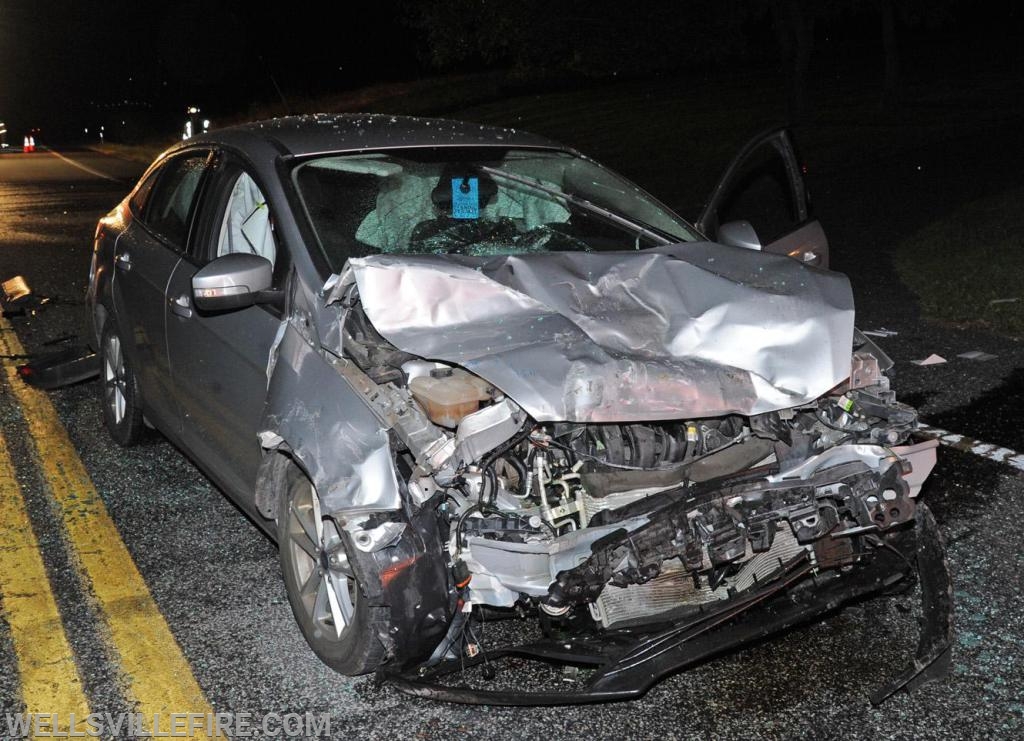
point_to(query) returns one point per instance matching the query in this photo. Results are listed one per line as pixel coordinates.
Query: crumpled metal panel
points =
(328, 427)
(682, 331)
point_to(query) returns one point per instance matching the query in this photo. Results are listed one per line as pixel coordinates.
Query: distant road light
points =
(193, 125)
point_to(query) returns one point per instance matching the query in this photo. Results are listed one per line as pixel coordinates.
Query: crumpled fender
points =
(314, 415)
(317, 418)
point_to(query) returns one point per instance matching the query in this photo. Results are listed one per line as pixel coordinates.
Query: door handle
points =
(182, 306)
(123, 262)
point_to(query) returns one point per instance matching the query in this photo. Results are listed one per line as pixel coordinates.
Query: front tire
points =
(323, 590)
(119, 390)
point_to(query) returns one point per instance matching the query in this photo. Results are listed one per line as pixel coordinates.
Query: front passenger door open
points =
(764, 187)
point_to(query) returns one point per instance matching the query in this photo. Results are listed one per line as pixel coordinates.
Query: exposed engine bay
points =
(599, 528)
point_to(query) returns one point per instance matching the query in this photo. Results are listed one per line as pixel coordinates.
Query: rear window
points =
(168, 209)
(141, 194)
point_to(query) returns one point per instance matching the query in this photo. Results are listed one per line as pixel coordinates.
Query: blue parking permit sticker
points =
(465, 198)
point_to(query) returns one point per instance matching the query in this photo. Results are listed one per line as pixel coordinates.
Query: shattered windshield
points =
(476, 201)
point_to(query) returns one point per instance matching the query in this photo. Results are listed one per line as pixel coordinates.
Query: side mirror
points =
(232, 281)
(739, 234)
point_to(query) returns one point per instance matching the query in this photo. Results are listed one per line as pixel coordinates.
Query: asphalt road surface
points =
(128, 583)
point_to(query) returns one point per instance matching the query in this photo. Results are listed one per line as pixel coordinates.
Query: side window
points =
(763, 195)
(247, 226)
(169, 207)
(342, 207)
(141, 195)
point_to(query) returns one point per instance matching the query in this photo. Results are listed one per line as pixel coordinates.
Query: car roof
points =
(339, 132)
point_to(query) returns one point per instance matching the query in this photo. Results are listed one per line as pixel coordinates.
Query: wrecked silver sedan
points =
(458, 371)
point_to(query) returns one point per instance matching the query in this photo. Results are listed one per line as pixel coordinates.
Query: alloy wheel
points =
(322, 569)
(115, 378)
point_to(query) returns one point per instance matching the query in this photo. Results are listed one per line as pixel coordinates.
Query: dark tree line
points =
(537, 38)
(795, 22)
(590, 37)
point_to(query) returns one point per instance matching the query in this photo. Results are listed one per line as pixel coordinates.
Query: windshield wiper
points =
(583, 203)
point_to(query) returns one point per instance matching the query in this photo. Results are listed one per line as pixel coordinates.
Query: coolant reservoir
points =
(449, 394)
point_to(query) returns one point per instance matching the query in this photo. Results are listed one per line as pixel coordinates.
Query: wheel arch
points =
(408, 577)
(272, 479)
(100, 315)
(315, 422)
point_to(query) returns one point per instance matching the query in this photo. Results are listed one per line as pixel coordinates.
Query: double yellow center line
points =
(158, 679)
(49, 677)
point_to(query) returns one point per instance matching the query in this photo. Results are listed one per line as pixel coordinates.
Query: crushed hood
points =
(678, 332)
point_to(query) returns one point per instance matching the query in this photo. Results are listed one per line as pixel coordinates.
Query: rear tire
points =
(325, 595)
(119, 389)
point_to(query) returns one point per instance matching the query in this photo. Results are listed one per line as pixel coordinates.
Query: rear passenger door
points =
(144, 259)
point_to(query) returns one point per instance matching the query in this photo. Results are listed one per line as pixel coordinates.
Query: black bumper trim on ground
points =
(62, 368)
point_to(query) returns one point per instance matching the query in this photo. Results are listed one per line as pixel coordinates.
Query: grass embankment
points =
(969, 266)
(141, 153)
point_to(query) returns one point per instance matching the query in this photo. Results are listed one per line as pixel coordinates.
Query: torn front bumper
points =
(625, 663)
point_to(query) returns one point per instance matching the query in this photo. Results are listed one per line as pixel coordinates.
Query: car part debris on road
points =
(61, 368)
(17, 299)
(978, 355)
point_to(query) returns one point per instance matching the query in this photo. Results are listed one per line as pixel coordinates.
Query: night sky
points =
(66, 65)
(64, 62)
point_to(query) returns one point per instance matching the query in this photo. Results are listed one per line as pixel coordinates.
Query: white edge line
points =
(979, 448)
(80, 166)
